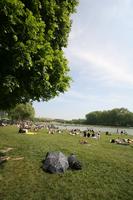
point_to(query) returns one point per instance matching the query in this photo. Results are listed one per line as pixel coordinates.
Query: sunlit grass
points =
(107, 168)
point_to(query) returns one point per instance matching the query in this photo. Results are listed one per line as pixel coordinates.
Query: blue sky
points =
(100, 54)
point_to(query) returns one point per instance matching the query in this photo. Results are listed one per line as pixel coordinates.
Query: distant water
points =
(129, 131)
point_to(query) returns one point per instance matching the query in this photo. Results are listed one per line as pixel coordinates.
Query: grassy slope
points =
(107, 168)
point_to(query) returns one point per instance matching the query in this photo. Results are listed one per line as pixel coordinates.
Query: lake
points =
(129, 131)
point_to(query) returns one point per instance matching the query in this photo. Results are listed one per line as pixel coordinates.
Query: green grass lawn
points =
(107, 172)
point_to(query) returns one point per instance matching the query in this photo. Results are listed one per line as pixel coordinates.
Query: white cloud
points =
(101, 41)
(118, 72)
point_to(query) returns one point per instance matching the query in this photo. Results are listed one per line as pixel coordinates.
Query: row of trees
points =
(114, 117)
(76, 121)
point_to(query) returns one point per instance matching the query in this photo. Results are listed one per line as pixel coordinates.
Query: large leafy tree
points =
(22, 112)
(33, 34)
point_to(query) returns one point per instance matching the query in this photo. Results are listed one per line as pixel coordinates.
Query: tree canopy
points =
(114, 117)
(22, 112)
(33, 34)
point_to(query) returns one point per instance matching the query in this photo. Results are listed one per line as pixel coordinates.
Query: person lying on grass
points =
(121, 141)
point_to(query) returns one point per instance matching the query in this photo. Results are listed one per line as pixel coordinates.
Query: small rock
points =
(74, 163)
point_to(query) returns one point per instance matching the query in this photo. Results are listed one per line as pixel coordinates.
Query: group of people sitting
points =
(91, 133)
(25, 128)
(53, 131)
(75, 131)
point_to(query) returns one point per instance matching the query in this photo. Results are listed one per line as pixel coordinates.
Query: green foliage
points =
(33, 34)
(115, 117)
(76, 121)
(22, 112)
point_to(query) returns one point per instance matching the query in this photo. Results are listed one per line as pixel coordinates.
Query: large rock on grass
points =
(55, 162)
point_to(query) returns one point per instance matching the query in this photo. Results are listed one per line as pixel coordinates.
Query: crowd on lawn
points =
(26, 127)
(52, 129)
(86, 133)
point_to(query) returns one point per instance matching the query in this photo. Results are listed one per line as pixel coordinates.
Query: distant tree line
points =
(114, 117)
(75, 121)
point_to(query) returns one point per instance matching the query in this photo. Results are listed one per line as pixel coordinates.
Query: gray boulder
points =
(74, 163)
(55, 162)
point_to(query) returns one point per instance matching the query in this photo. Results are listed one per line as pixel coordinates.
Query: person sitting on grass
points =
(22, 130)
(85, 134)
(88, 134)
